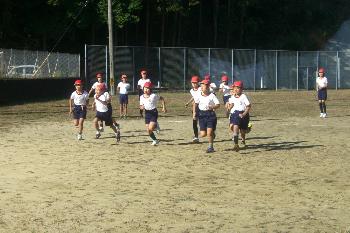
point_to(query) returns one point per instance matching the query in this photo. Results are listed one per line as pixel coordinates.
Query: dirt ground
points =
(293, 177)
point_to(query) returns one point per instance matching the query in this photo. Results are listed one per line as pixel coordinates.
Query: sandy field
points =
(293, 177)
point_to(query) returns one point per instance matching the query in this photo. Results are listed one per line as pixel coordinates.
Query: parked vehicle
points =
(22, 71)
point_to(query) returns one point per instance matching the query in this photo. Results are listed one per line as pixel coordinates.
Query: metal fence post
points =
(297, 70)
(185, 60)
(106, 70)
(337, 72)
(85, 63)
(276, 73)
(209, 60)
(254, 70)
(133, 69)
(159, 67)
(232, 64)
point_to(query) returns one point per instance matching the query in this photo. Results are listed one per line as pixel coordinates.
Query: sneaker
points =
(117, 126)
(157, 129)
(321, 114)
(324, 115)
(117, 136)
(155, 143)
(195, 140)
(80, 136)
(236, 147)
(98, 135)
(101, 129)
(210, 150)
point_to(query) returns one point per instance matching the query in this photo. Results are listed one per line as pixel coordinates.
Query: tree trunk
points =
(199, 34)
(147, 22)
(163, 29)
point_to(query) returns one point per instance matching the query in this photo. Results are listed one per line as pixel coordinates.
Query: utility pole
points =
(110, 47)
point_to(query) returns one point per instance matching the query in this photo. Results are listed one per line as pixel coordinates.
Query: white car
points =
(22, 71)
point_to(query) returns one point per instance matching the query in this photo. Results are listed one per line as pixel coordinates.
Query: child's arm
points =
(163, 104)
(102, 101)
(93, 106)
(246, 111)
(194, 107)
(91, 90)
(70, 105)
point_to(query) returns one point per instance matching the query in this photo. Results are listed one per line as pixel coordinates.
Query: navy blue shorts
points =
(197, 112)
(79, 112)
(241, 122)
(225, 98)
(322, 94)
(123, 99)
(105, 116)
(151, 115)
(207, 119)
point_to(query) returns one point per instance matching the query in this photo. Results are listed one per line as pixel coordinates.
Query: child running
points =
(225, 89)
(123, 88)
(148, 102)
(194, 92)
(239, 118)
(78, 101)
(99, 77)
(206, 102)
(144, 79)
(101, 101)
(321, 88)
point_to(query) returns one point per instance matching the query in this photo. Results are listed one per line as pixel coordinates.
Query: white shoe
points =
(321, 114)
(195, 140)
(155, 143)
(80, 136)
(98, 135)
(101, 129)
(324, 115)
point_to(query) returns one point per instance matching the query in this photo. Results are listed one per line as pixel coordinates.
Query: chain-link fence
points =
(38, 64)
(172, 68)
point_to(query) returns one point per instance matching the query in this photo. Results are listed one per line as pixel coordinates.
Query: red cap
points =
(143, 71)
(77, 83)
(99, 75)
(207, 77)
(321, 70)
(148, 85)
(195, 79)
(224, 78)
(124, 76)
(205, 81)
(238, 84)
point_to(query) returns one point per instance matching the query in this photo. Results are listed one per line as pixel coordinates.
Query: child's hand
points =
(164, 110)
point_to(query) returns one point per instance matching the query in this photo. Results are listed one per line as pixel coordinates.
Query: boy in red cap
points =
(148, 102)
(101, 101)
(206, 102)
(212, 86)
(78, 101)
(321, 88)
(225, 89)
(123, 89)
(144, 79)
(99, 77)
(239, 106)
(194, 92)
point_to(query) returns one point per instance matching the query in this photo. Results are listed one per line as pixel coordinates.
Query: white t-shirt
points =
(142, 82)
(80, 99)
(194, 93)
(204, 102)
(96, 83)
(225, 89)
(100, 107)
(212, 87)
(321, 82)
(149, 103)
(239, 103)
(123, 87)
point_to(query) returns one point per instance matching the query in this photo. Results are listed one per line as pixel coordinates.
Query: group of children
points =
(205, 102)
(204, 105)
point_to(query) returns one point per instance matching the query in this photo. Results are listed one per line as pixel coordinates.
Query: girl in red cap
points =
(239, 118)
(144, 79)
(321, 88)
(206, 102)
(225, 89)
(101, 101)
(148, 102)
(123, 89)
(78, 101)
(194, 92)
